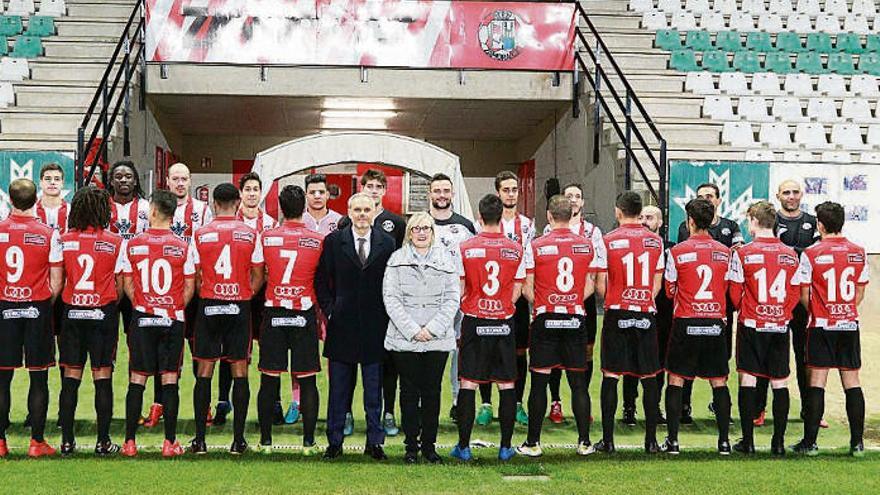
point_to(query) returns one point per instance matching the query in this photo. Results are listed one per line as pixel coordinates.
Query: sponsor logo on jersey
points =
(547, 250)
(704, 331)
(856, 258)
(754, 259)
(492, 330)
(772, 329)
(139, 250)
(273, 241)
(387, 225)
(489, 305)
(309, 243)
(172, 251)
(154, 321)
(787, 260)
(651, 242)
(35, 239)
(769, 310)
(619, 244)
(839, 309)
(295, 321)
(686, 258)
(562, 298)
(70, 246)
(475, 253)
(825, 259)
(636, 294)
(158, 300)
(569, 324)
(85, 299)
(226, 290)
(105, 247)
(720, 257)
(209, 237)
(287, 291)
(706, 307)
(17, 293)
(243, 236)
(29, 313)
(640, 323)
(843, 326)
(86, 314)
(225, 309)
(581, 249)
(509, 254)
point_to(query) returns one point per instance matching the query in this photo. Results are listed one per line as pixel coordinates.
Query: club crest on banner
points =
(498, 33)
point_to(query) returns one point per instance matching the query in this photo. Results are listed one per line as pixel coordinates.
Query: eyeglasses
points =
(421, 228)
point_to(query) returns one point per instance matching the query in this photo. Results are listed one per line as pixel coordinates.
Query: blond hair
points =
(420, 218)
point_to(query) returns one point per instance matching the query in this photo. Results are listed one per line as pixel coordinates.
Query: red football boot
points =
(171, 449)
(40, 449)
(154, 417)
(129, 449)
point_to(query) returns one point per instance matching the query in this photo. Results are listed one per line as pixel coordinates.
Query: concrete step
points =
(100, 9)
(79, 50)
(53, 71)
(91, 28)
(42, 123)
(53, 96)
(37, 142)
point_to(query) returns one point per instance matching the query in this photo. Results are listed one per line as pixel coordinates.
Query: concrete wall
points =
(145, 135)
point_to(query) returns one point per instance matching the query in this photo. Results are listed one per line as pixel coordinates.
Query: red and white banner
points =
(390, 33)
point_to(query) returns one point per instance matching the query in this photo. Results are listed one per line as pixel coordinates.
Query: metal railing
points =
(111, 97)
(611, 95)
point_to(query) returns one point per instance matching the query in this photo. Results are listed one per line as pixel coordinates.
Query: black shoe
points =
(411, 457)
(106, 448)
(661, 419)
(651, 447)
(376, 452)
(238, 447)
(222, 410)
(198, 447)
(629, 416)
(803, 448)
(744, 447)
(686, 417)
(724, 447)
(432, 457)
(278, 417)
(604, 446)
(857, 450)
(453, 414)
(670, 447)
(777, 448)
(67, 448)
(332, 452)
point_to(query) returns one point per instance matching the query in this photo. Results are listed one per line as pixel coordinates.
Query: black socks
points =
(522, 365)
(673, 411)
(67, 407)
(308, 394)
(580, 403)
(721, 399)
(266, 398)
(104, 407)
(5, 400)
(170, 407)
(507, 415)
(134, 401)
(815, 411)
(781, 404)
(486, 393)
(555, 382)
(38, 403)
(855, 414)
(537, 405)
(747, 405)
(201, 405)
(466, 406)
(608, 401)
(241, 396)
(651, 404)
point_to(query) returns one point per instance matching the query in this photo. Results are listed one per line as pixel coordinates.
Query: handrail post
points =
(575, 88)
(597, 118)
(79, 165)
(627, 178)
(662, 190)
(126, 94)
(104, 123)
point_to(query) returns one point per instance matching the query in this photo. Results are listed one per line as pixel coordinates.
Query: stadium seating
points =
(27, 47)
(40, 26)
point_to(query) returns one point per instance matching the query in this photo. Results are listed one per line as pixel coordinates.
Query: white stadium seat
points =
(669, 5)
(738, 134)
(697, 6)
(864, 7)
(776, 135)
(14, 69)
(23, 8)
(856, 24)
(724, 6)
(770, 23)
(836, 7)
(713, 22)
(848, 136)
(810, 7)
(832, 85)
(800, 156)
(798, 84)
(827, 23)
(7, 95)
(718, 108)
(780, 7)
(733, 83)
(52, 8)
(654, 20)
(753, 6)
(641, 5)
(874, 135)
(766, 83)
(754, 109)
(811, 136)
(864, 85)
(857, 110)
(799, 23)
(836, 157)
(759, 156)
(742, 22)
(789, 109)
(871, 157)
(822, 110)
(700, 83)
(684, 21)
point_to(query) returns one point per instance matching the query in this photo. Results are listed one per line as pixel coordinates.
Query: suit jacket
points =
(350, 295)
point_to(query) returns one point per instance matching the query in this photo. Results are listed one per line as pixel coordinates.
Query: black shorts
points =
(521, 318)
(189, 316)
(697, 348)
(257, 304)
(664, 328)
(591, 319)
(223, 331)
(88, 333)
(558, 341)
(26, 329)
(487, 350)
(763, 353)
(833, 349)
(155, 344)
(629, 343)
(289, 337)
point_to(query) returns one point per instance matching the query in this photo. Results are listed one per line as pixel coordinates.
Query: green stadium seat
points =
(747, 62)
(668, 39)
(10, 25)
(27, 47)
(715, 61)
(759, 42)
(869, 63)
(4, 45)
(699, 41)
(788, 41)
(729, 41)
(778, 62)
(39, 25)
(841, 63)
(683, 60)
(848, 43)
(810, 63)
(819, 42)
(873, 43)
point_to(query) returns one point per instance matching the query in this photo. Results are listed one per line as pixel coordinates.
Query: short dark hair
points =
(89, 208)
(559, 207)
(225, 194)
(373, 174)
(764, 213)
(49, 167)
(439, 177)
(573, 184)
(503, 176)
(315, 179)
(165, 202)
(710, 185)
(491, 208)
(831, 215)
(629, 203)
(701, 211)
(249, 176)
(22, 194)
(292, 200)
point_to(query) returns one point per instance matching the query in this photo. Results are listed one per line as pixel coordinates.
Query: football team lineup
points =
(421, 302)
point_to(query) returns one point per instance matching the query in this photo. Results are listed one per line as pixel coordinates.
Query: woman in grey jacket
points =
(421, 292)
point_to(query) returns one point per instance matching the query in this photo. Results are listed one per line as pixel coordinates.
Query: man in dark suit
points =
(349, 289)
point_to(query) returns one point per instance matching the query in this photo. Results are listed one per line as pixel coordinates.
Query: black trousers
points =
(421, 378)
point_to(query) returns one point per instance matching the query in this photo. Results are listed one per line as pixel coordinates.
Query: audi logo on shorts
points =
(86, 299)
(226, 290)
(769, 310)
(708, 307)
(636, 294)
(839, 309)
(489, 305)
(287, 291)
(17, 293)
(158, 300)
(561, 298)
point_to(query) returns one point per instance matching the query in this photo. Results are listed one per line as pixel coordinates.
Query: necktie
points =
(362, 253)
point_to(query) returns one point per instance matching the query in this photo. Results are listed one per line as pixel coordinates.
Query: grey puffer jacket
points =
(420, 292)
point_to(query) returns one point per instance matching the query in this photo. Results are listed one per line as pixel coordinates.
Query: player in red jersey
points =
(30, 258)
(833, 275)
(90, 318)
(561, 268)
(629, 283)
(492, 271)
(51, 209)
(697, 281)
(159, 279)
(764, 288)
(229, 268)
(289, 337)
